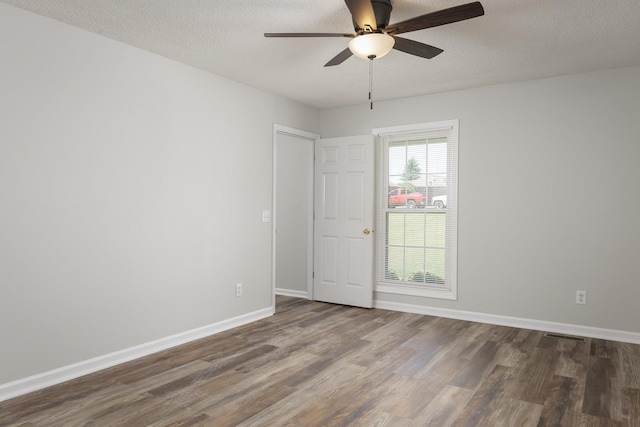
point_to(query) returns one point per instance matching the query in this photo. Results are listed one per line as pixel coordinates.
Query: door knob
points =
(367, 231)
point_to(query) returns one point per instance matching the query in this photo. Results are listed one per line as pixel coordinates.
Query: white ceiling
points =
(514, 40)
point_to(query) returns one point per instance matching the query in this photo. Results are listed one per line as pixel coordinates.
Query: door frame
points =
(308, 138)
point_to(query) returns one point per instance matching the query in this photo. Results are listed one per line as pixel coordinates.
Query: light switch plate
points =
(266, 216)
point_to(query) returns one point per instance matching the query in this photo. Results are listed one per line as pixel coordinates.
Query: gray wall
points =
(119, 180)
(548, 194)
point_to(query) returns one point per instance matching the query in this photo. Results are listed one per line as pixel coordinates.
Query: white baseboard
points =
(516, 322)
(292, 293)
(69, 372)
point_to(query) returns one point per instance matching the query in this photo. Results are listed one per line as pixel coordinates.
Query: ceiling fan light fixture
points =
(369, 45)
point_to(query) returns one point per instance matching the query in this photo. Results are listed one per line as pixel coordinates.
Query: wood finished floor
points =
(316, 364)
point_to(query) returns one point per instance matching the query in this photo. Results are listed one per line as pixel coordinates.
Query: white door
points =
(343, 230)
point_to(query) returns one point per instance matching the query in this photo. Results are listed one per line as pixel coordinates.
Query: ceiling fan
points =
(374, 37)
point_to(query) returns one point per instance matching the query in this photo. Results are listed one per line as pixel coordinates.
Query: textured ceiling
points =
(514, 40)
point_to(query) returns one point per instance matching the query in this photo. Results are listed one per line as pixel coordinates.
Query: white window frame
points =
(450, 290)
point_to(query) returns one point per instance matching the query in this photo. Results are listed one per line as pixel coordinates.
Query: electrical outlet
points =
(239, 289)
(581, 297)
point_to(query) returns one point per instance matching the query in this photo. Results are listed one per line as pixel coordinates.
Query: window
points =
(417, 210)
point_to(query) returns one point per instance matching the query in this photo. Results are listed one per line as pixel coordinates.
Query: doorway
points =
(292, 212)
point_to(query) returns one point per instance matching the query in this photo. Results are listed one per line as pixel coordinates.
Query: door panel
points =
(329, 196)
(355, 196)
(344, 209)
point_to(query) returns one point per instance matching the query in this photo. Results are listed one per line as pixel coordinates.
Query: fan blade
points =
(362, 13)
(308, 35)
(441, 17)
(339, 58)
(416, 48)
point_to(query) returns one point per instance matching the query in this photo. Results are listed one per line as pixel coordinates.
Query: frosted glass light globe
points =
(371, 44)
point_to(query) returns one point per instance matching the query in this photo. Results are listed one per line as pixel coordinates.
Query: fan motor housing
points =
(382, 9)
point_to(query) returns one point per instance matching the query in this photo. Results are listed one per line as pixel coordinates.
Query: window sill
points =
(418, 291)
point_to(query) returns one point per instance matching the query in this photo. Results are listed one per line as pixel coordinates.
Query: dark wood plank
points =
(631, 365)
(563, 406)
(444, 408)
(603, 393)
(604, 348)
(573, 359)
(487, 399)
(631, 407)
(537, 373)
(471, 374)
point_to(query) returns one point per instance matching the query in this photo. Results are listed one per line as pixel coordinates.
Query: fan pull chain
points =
(371, 58)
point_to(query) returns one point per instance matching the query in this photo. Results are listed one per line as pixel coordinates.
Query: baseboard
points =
(292, 293)
(85, 367)
(516, 322)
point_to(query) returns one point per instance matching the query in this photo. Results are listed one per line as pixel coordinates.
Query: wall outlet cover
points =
(581, 297)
